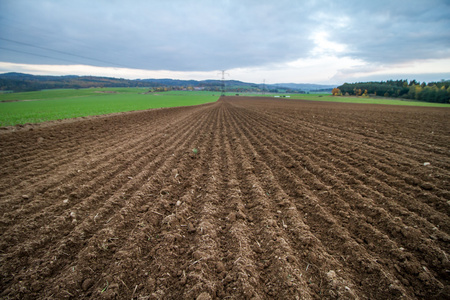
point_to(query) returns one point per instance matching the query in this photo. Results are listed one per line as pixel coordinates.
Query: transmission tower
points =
(222, 86)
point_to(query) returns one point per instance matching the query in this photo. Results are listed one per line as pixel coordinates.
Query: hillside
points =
(19, 82)
(306, 86)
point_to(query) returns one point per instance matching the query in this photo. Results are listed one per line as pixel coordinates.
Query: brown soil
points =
(284, 199)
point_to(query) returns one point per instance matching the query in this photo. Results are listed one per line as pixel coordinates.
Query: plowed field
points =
(281, 199)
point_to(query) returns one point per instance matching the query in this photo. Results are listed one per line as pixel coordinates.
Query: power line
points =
(42, 33)
(58, 51)
(19, 51)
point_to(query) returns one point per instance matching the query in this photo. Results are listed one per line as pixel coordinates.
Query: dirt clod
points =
(87, 283)
(204, 296)
(426, 186)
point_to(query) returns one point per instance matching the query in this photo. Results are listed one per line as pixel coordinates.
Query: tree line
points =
(18, 82)
(438, 92)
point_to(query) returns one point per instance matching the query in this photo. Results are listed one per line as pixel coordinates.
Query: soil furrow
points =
(245, 198)
(376, 133)
(74, 152)
(335, 163)
(386, 153)
(78, 190)
(149, 228)
(362, 150)
(89, 162)
(428, 253)
(318, 215)
(87, 219)
(331, 179)
(246, 259)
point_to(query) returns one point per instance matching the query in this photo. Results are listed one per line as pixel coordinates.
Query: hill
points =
(306, 86)
(19, 82)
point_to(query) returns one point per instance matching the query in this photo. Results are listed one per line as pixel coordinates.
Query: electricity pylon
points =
(222, 87)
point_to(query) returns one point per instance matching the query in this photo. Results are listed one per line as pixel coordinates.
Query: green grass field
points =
(353, 99)
(41, 106)
(366, 100)
(47, 105)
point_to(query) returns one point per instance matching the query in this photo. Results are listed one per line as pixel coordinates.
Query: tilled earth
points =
(245, 198)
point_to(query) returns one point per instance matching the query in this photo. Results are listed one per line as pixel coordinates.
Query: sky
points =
(276, 41)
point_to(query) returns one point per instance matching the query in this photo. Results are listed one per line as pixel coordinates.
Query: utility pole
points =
(264, 86)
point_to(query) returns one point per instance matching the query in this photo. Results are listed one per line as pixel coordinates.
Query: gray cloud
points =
(395, 31)
(210, 35)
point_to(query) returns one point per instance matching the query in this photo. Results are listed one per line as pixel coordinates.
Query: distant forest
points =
(19, 82)
(438, 92)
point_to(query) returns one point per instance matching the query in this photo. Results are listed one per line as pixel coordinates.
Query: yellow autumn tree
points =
(336, 92)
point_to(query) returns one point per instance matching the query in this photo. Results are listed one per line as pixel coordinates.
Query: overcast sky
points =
(316, 41)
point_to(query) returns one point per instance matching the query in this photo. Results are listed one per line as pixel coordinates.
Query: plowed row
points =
(284, 199)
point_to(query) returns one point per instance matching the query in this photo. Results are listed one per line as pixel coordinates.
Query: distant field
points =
(41, 106)
(47, 105)
(350, 99)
